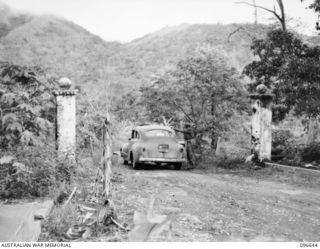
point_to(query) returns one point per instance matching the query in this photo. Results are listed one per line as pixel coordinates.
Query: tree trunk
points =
(191, 143)
(190, 154)
(214, 141)
(218, 149)
(255, 12)
(106, 161)
(214, 136)
(283, 16)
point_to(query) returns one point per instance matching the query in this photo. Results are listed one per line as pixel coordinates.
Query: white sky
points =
(124, 20)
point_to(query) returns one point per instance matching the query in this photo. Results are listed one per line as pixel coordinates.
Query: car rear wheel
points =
(135, 165)
(177, 166)
(125, 162)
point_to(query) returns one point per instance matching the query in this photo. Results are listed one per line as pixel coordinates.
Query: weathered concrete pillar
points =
(261, 127)
(66, 120)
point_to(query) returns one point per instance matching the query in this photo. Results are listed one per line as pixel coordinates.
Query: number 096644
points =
(308, 244)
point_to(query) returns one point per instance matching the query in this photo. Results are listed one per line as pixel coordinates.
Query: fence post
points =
(106, 158)
(66, 119)
(261, 129)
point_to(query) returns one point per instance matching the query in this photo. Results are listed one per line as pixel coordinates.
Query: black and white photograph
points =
(159, 121)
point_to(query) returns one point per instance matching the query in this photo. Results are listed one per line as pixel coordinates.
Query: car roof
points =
(152, 127)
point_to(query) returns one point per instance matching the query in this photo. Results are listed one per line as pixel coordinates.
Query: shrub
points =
(281, 144)
(311, 153)
(14, 176)
(33, 172)
(27, 112)
(280, 137)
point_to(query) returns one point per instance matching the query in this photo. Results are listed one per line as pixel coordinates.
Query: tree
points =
(290, 68)
(128, 107)
(315, 5)
(27, 107)
(202, 91)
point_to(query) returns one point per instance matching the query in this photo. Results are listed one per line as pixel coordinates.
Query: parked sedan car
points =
(153, 144)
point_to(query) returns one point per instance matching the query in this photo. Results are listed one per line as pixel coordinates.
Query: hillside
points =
(156, 52)
(63, 48)
(67, 49)
(111, 68)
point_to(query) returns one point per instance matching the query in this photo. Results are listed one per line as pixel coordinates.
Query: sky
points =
(125, 20)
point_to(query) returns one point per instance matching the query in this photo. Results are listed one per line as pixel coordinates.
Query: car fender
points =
(136, 151)
(125, 150)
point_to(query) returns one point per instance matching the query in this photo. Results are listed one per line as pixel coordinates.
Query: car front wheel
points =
(177, 166)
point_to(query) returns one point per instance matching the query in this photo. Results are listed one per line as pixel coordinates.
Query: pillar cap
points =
(65, 83)
(65, 92)
(262, 96)
(262, 89)
(262, 92)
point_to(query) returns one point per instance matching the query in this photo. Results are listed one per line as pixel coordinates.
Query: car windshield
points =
(158, 133)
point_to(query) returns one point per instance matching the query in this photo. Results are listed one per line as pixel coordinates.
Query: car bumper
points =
(162, 160)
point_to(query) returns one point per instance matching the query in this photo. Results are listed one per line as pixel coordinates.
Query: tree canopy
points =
(290, 69)
(27, 108)
(202, 91)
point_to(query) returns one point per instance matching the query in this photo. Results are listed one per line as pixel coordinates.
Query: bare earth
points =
(219, 207)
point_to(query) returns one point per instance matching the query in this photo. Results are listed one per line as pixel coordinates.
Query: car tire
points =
(125, 162)
(177, 166)
(135, 165)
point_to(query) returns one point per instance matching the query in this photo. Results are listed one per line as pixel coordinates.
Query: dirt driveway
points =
(219, 207)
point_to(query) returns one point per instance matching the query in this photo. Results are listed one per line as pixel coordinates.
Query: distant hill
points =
(156, 52)
(67, 49)
(112, 68)
(62, 47)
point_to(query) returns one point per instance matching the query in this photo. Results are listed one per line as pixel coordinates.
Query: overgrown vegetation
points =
(28, 163)
(199, 97)
(290, 68)
(27, 106)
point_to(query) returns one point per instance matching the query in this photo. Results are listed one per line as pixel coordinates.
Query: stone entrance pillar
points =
(261, 126)
(66, 120)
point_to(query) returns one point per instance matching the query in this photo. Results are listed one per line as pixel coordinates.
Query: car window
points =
(159, 133)
(135, 135)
